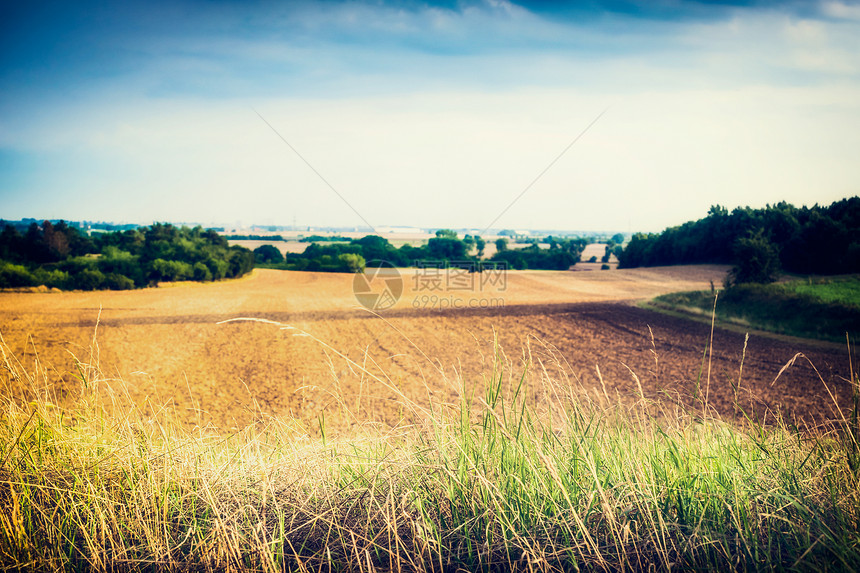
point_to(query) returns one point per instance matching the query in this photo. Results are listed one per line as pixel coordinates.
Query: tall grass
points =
(496, 481)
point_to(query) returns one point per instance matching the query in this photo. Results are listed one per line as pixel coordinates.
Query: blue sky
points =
(425, 114)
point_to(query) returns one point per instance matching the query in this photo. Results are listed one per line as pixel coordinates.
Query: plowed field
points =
(166, 348)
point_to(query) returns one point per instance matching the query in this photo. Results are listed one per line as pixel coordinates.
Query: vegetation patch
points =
(446, 249)
(62, 256)
(825, 309)
(491, 483)
(822, 240)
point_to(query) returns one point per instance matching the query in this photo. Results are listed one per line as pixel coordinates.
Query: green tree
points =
(376, 248)
(11, 244)
(201, 272)
(15, 276)
(480, 244)
(501, 244)
(114, 281)
(88, 279)
(756, 261)
(446, 248)
(168, 270)
(352, 263)
(268, 254)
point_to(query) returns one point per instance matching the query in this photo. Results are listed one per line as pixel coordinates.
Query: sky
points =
(594, 115)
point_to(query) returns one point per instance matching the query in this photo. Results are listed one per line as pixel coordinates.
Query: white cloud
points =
(759, 108)
(842, 10)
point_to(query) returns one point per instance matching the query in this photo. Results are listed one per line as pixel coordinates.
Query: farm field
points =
(169, 348)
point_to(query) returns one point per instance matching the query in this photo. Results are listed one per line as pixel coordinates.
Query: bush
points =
(52, 278)
(88, 279)
(171, 270)
(114, 281)
(13, 276)
(757, 261)
(201, 272)
(268, 255)
(217, 267)
(351, 263)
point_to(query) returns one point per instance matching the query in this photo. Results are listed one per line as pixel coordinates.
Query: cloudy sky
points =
(431, 114)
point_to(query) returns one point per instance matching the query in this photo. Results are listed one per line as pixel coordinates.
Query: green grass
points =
(823, 309)
(841, 290)
(523, 476)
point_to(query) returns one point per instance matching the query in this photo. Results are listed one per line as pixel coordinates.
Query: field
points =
(540, 423)
(169, 348)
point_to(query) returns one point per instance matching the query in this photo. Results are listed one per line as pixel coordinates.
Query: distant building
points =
(398, 230)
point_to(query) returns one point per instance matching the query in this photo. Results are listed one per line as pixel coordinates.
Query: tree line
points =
(759, 242)
(445, 249)
(63, 256)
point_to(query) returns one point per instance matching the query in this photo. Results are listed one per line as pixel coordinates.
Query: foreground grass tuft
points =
(487, 484)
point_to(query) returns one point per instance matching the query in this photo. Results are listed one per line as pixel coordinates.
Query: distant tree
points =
(817, 239)
(469, 241)
(446, 234)
(114, 281)
(618, 238)
(34, 248)
(240, 261)
(351, 262)
(11, 243)
(446, 248)
(757, 261)
(376, 248)
(61, 255)
(218, 268)
(89, 279)
(169, 270)
(56, 240)
(202, 273)
(268, 254)
(501, 244)
(480, 244)
(15, 276)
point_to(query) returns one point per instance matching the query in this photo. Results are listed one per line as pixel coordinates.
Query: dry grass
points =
(529, 471)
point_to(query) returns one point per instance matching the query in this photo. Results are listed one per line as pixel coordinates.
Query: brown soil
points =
(165, 346)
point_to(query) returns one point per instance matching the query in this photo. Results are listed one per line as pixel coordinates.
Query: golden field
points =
(170, 348)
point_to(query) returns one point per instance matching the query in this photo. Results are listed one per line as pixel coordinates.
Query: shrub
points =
(756, 261)
(52, 278)
(201, 272)
(171, 270)
(88, 279)
(351, 262)
(268, 254)
(114, 281)
(12, 276)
